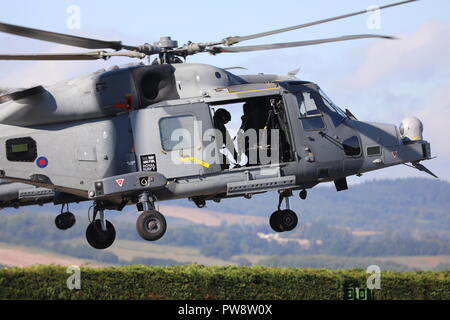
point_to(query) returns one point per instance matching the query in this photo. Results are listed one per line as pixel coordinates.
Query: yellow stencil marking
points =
(195, 160)
(254, 90)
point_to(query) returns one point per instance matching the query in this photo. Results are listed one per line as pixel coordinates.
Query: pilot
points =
(222, 117)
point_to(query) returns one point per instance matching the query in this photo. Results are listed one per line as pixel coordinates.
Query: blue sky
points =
(379, 80)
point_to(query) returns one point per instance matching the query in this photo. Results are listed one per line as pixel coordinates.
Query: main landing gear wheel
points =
(151, 225)
(65, 220)
(100, 237)
(283, 220)
(288, 220)
(275, 221)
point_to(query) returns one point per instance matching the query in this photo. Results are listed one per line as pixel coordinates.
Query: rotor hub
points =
(166, 43)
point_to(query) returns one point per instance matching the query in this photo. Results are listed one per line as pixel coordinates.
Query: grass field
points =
(126, 250)
(21, 256)
(220, 283)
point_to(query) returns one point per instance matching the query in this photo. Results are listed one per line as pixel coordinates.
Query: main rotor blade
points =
(94, 55)
(62, 38)
(271, 46)
(233, 40)
(48, 57)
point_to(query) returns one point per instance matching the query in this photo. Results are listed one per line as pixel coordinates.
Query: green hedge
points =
(200, 282)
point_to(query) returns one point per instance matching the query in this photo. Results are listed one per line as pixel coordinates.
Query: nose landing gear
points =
(283, 220)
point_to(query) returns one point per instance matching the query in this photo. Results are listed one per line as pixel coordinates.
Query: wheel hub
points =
(153, 225)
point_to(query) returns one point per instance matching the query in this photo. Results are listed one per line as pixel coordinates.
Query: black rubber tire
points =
(288, 220)
(151, 225)
(65, 220)
(275, 221)
(98, 238)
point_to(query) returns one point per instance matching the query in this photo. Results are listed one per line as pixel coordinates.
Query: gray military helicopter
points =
(141, 133)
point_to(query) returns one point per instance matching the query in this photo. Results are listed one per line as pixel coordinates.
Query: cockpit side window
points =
(307, 105)
(310, 115)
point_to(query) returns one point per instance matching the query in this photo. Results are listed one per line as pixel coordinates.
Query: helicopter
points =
(142, 133)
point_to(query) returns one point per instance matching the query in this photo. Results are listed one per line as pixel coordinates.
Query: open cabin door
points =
(174, 140)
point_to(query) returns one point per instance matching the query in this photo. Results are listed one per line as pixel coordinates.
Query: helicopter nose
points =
(411, 133)
(386, 145)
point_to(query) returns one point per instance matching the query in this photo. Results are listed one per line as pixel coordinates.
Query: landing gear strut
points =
(100, 233)
(65, 220)
(283, 220)
(151, 224)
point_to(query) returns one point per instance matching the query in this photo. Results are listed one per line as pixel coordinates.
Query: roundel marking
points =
(42, 162)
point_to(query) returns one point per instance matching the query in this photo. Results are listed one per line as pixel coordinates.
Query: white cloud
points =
(435, 115)
(408, 77)
(436, 118)
(415, 56)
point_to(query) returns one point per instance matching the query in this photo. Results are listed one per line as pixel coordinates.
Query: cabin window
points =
(21, 149)
(177, 133)
(373, 151)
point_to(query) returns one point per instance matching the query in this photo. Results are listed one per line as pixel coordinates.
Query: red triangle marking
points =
(120, 182)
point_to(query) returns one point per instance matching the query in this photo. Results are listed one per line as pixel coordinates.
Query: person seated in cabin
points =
(220, 118)
(256, 116)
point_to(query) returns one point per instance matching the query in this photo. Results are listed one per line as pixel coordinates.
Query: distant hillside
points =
(410, 217)
(223, 242)
(410, 205)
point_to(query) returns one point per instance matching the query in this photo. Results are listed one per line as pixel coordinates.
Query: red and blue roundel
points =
(42, 162)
